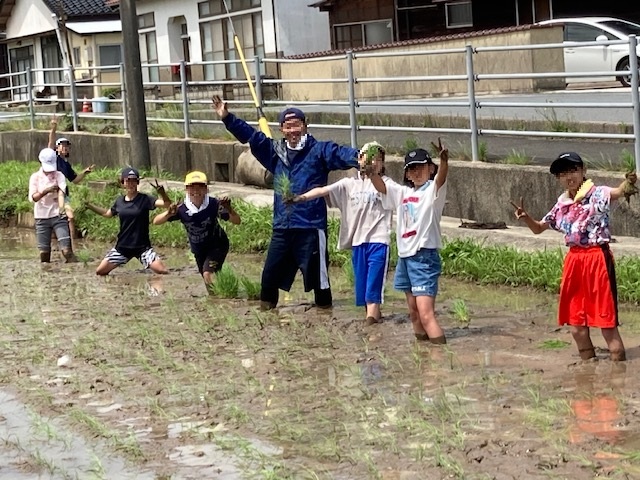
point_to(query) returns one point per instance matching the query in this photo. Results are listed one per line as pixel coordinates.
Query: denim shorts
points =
(419, 273)
(44, 228)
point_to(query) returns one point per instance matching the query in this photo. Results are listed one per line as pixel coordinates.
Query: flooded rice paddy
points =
(146, 377)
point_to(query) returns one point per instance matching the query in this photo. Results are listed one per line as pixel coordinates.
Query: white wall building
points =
(196, 31)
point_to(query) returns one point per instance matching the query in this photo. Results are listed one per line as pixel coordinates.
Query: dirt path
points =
(176, 384)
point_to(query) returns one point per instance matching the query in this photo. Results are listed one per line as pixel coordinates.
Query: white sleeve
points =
(440, 197)
(392, 199)
(61, 181)
(336, 193)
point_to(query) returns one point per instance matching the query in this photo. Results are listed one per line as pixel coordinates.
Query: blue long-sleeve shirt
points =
(306, 169)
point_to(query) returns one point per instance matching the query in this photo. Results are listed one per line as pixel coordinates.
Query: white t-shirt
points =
(419, 212)
(364, 220)
(47, 206)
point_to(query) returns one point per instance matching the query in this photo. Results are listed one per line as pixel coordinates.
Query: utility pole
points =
(134, 89)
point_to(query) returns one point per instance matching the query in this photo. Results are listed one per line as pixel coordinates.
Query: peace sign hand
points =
(158, 188)
(520, 211)
(443, 152)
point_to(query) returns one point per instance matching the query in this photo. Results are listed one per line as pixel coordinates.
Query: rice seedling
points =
(627, 161)
(460, 311)
(553, 344)
(250, 287)
(226, 284)
(282, 187)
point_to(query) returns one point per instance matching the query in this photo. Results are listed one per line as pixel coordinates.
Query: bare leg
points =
(373, 313)
(105, 267)
(583, 342)
(208, 281)
(158, 267)
(418, 329)
(614, 342)
(427, 314)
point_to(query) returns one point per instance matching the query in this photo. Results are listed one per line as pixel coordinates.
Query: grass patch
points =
(516, 157)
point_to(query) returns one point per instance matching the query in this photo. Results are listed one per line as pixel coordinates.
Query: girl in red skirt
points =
(588, 292)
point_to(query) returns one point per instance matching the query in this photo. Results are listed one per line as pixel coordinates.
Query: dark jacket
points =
(306, 169)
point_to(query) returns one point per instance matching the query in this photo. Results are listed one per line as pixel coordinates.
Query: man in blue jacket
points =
(299, 238)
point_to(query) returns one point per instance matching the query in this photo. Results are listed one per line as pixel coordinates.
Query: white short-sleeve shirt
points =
(419, 212)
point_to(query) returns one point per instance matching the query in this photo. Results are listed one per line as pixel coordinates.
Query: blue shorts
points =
(419, 274)
(370, 262)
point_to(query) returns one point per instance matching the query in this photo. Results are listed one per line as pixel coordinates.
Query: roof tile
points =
(80, 8)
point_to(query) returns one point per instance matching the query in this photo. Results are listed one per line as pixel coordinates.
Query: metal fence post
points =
(32, 113)
(185, 99)
(352, 100)
(258, 75)
(471, 89)
(635, 97)
(123, 96)
(74, 97)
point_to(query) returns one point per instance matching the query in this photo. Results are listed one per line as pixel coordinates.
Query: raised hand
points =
(54, 122)
(520, 211)
(158, 188)
(220, 106)
(89, 169)
(443, 152)
(225, 202)
(173, 209)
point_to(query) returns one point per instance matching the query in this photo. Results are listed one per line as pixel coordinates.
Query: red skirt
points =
(588, 292)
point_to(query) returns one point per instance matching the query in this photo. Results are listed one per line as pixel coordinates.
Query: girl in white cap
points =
(365, 228)
(419, 206)
(46, 191)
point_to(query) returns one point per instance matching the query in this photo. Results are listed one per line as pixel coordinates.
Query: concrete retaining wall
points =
(476, 191)
(482, 192)
(177, 156)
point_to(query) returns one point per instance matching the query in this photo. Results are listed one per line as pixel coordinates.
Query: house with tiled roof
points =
(52, 34)
(362, 23)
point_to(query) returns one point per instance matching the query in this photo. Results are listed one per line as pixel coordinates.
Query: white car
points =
(596, 58)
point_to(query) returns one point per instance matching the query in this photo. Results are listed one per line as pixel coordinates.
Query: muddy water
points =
(139, 376)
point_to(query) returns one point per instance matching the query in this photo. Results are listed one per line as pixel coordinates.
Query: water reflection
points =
(596, 406)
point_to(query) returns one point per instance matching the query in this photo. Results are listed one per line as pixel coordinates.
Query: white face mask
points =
(300, 145)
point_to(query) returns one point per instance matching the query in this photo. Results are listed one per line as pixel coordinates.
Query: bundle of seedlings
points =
(282, 187)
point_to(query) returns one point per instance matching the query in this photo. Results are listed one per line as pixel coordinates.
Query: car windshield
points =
(627, 28)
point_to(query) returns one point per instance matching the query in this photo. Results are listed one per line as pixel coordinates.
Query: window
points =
(51, 58)
(77, 59)
(415, 19)
(459, 15)
(110, 55)
(217, 44)
(360, 34)
(146, 20)
(583, 33)
(216, 7)
(151, 51)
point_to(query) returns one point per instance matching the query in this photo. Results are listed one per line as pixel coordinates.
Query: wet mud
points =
(141, 376)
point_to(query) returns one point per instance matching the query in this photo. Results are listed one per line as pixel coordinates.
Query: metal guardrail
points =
(471, 102)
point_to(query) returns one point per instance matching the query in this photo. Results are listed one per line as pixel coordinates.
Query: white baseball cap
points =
(47, 157)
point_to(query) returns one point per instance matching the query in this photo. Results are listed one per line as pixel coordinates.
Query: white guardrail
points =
(21, 88)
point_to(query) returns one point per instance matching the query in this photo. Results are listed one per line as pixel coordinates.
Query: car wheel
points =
(625, 80)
